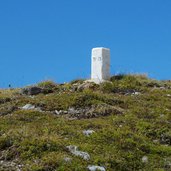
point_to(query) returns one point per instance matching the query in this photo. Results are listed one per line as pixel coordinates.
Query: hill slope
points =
(122, 125)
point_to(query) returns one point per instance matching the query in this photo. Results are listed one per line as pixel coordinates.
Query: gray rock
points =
(96, 111)
(73, 150)
(136, 93)
(31, 107)
(88, 132)
(86, 85)
(60, 112)
(28, 107)
(145, 159)
(65, 111)
(83, 86)
(31, 91)
(10, 165)
(7, 110)
(94, 168)
(165, 139)
(167, 164)
(72, 110)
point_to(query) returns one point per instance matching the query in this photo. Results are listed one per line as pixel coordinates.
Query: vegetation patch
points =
(130, 117)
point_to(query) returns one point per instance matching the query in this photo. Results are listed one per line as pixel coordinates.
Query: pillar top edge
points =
(100, 48)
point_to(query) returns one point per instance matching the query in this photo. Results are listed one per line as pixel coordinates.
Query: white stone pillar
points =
(100, 64)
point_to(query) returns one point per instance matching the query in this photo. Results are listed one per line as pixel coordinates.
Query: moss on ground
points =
(37, 140)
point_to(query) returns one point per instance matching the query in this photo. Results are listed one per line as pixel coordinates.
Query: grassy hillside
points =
(129, 118)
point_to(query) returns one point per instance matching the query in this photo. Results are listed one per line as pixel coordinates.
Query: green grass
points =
(38, 140)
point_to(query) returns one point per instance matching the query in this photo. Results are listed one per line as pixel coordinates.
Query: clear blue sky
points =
(52, 39)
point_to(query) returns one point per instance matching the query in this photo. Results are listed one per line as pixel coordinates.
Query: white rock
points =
(58, 112)
(88, 132)
(73, 150)
(145, 159)
(136, 93)
(31, 107)
(28, 107)
(65, 111)
(72, 110)
(20, 165)
(94, 168)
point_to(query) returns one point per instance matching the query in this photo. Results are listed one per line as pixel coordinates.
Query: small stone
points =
(71, 110)
(95, 168)
(88, 132)
(20, 165)
(73, 150)
(31, 107)
(65, 111)
(85, 85)
(28, 107)
(136, 93)
(145, 159)
(57, 112)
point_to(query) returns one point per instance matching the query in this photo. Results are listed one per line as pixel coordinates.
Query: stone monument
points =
(100, 64)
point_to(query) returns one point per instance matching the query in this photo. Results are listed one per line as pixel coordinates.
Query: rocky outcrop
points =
(35, 90)
(74, 150)
(31, 91)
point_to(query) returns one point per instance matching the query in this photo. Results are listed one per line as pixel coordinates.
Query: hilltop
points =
(121, 125)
